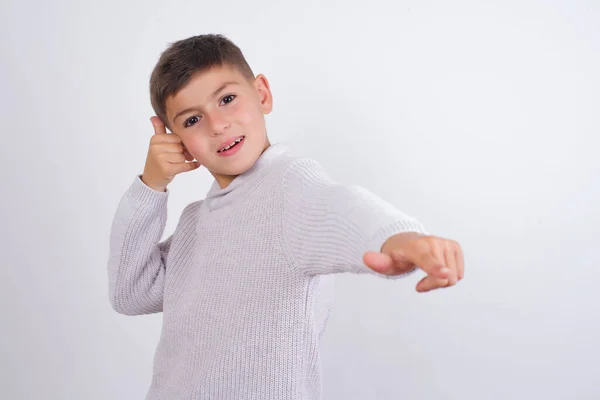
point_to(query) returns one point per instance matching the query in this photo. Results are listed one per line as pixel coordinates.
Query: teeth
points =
(236, 141)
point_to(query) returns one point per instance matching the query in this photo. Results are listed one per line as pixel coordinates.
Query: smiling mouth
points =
(232, 144)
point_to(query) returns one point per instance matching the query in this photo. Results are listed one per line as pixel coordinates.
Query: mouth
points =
(231, 145)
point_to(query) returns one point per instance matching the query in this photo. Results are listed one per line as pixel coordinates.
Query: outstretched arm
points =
(328, 226)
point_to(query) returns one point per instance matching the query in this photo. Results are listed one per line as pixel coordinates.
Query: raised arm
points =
(136, 265)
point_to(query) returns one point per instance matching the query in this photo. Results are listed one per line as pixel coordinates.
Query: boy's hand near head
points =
(441, 259)
(166, 158)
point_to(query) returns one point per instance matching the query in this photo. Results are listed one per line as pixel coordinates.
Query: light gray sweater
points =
(245, 282)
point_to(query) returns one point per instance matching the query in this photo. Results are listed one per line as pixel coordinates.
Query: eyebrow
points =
(223, 86)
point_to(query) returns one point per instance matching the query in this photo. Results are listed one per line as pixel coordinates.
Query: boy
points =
(245, 281)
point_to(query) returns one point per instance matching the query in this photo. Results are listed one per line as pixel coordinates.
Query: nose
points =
(218, 123)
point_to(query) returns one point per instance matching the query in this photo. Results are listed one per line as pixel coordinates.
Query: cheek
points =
(196, 147)
(247, 115)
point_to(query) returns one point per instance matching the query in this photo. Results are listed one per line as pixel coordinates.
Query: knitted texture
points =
(245, 282)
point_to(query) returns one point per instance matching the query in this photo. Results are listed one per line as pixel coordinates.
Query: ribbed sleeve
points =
(136, 265)
(329, 226)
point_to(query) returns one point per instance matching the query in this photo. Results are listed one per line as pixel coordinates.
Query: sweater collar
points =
(218, 197)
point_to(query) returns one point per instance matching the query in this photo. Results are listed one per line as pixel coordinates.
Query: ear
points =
(261, 84)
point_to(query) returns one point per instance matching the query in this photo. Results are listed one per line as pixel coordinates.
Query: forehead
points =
(201, 87)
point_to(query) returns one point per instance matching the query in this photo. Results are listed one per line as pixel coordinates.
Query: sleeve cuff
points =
(146, 195)
(383, 234)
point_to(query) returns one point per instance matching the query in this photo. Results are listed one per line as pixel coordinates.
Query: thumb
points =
(159, 127)
(378, 262)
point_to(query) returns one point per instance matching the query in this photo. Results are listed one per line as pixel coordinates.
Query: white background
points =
(478, 118)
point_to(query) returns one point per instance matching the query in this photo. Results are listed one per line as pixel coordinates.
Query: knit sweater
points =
(245, 282)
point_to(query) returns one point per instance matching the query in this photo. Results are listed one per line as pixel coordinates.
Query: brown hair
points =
(184, 58)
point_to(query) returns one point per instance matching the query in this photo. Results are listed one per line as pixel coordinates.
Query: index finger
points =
(159, 127)
(432, 265)
(427, 258)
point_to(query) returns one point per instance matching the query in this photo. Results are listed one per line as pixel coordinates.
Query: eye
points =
(191, 121)
(229, 98)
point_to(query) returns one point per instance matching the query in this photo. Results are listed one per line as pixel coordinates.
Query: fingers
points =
(460, 262)
(173, 153)
(167, 148)
(431, 282)
(188, 166)
(167, 157)
(425, 254)
(440, 258)
(179, 163)
(450, 260)
(453, 259)
(159, 127)
(176, 158)
(172, 157)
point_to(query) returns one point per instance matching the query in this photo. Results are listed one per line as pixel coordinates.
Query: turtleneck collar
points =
(218, 197)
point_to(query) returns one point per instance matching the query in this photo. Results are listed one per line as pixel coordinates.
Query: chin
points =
(239, 165)
(237, 169)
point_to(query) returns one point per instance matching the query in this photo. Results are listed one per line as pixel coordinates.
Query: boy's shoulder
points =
(291, 164)
(295, 169)
(297, 175)
(304, 168)
(190, 210)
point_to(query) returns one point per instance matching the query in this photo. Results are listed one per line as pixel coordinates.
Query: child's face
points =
(216, 108)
